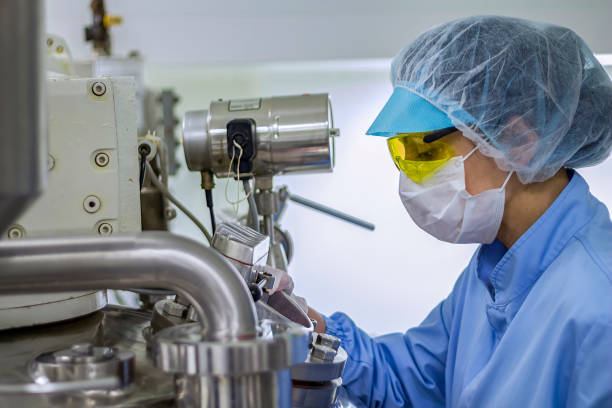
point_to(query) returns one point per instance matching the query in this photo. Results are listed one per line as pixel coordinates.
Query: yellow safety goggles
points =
(420, 155)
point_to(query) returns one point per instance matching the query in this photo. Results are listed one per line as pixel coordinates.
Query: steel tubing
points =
(151, 259)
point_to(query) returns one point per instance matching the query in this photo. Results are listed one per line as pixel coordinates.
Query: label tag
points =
(244, 104)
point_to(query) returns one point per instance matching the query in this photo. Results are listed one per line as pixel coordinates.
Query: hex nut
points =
(327, 340)
(175, 309)
(105, 229)
(98, 88)
(323, 353)
(102, 159)
(91, 204)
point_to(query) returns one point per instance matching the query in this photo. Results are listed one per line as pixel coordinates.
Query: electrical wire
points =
(209, 204)
(143, 167)
(177, 203)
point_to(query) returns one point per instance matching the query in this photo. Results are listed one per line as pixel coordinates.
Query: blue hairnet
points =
(530, 95)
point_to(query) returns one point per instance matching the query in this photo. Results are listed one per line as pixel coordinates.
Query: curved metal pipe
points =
(152, 259)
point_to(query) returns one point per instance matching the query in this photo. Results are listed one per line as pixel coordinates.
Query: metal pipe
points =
(269, 227)
(23, 115)
(252, 205)
(151, 259)
(333, 212)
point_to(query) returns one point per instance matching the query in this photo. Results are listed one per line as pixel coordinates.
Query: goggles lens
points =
(417, 159)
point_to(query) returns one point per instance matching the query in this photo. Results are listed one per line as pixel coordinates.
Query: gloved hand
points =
(281, 298)
(284, 283)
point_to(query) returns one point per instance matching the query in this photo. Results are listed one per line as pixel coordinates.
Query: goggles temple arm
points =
(438, 134)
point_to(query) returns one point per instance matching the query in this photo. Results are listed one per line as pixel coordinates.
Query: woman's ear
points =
(521, 135)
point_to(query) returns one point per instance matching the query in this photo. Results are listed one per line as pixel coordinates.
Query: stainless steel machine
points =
(84, 205)
(258, 139)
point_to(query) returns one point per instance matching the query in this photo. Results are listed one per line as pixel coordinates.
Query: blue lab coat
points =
(526, 327)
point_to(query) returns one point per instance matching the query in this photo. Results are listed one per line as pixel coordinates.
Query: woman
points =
(488, 120)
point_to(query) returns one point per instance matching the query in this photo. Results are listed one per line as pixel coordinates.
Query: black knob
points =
(256, 291)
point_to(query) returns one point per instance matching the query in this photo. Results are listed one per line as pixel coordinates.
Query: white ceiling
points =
(201, 31)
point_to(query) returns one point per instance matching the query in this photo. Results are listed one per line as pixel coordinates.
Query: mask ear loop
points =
(238, 200)
(507, 180)
(507, 177)
(469, 154)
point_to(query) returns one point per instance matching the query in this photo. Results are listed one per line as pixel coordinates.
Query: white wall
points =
(387, 280)
(196, 31)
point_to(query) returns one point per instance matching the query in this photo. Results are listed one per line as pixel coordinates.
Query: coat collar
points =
(535, 250)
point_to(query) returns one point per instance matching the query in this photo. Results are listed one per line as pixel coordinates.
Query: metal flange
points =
(84, 362)
(278, 345)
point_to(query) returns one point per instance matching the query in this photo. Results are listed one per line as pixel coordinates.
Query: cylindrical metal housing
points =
(293, 134)
(270, 389)
(23, 117)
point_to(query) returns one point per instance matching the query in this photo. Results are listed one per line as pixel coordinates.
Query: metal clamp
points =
(279, 345)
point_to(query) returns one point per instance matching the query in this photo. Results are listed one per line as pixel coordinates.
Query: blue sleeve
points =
(591, 381)
(396, 370)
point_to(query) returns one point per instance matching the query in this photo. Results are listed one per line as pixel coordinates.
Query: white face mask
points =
(442, 207)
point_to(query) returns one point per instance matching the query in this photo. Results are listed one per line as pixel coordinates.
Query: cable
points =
(209, 204)
(177, 203)
(143, 167)
(252, 205)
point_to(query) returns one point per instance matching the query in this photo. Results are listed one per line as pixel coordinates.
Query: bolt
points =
(170, 213)
(50, 163)
(91, 204)
(15, 232)
(327, 340)
(98, 88)
(175, 309)
(101, 159)
(323, 353)
(49, 41)
(105, 229)
(59, 49)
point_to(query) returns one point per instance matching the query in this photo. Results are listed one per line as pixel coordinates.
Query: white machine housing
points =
(93, 185)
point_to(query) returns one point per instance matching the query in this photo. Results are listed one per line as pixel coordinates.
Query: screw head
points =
(102, 159)
(50, 163)
(170, 213)
(91, 204)
(98, 88)
(105, 229)
(15, 232)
